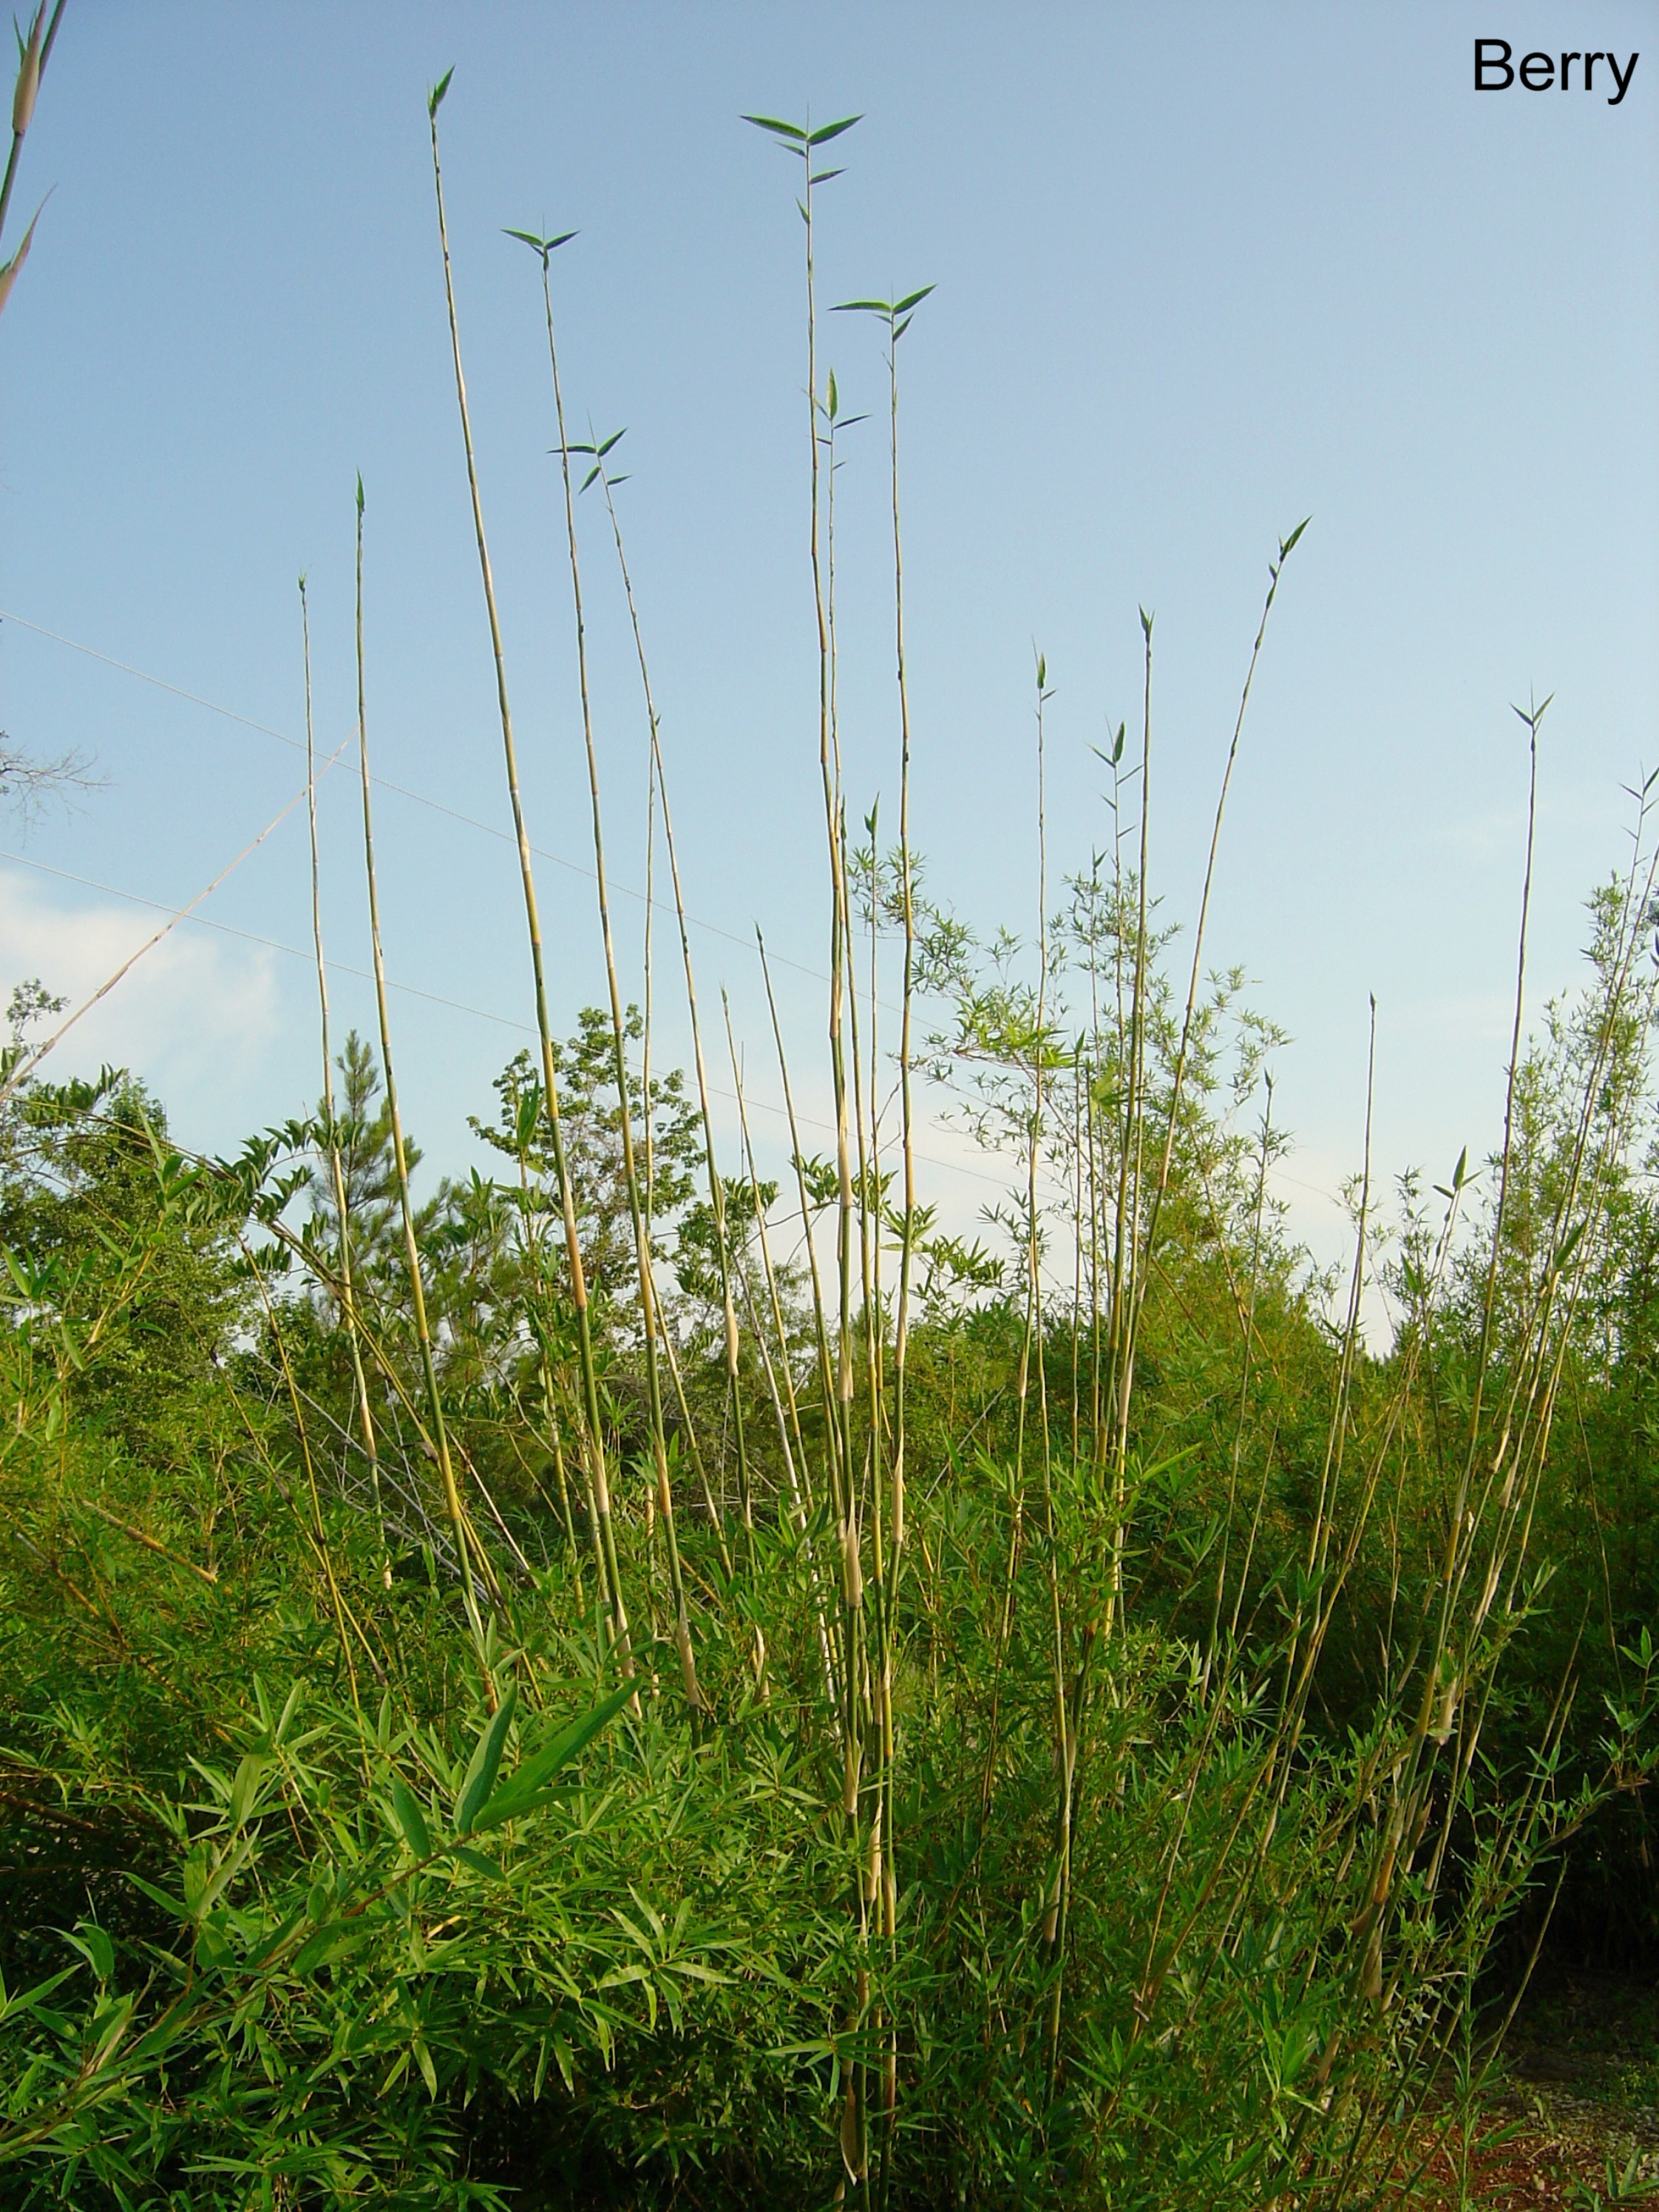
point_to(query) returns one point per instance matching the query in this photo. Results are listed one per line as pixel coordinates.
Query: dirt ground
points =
(1575, 2121)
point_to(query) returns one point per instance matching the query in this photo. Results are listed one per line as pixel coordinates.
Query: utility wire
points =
(384, 783)
(251, 937)
(409, 990)
(470, 822)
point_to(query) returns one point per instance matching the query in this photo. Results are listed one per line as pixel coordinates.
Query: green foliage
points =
(900, 1718)
(346, 1940)
(121, 1298)
(591, 1118)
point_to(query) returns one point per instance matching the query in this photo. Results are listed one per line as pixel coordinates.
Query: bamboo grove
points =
(630, 1681)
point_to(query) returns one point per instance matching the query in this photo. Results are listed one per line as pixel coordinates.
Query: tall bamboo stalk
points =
(1065, 1745)
(821, 1333)
(336, 1170)
(642, 1256)
(782, 1393)
(464, 1539)
(1126, 1240)
(273, 1323)
(797, 1451)
(897, 315)
(716, 1187)
(1243, 1382)
(525, 1126)
(803, 140)
(593, 1440)
(1160, 1187)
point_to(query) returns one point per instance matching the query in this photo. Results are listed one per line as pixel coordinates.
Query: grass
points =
(1057, 1721)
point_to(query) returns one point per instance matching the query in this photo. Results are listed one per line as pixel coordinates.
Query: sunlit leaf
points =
(480, 1778)
(791, 130)
(523, 1792)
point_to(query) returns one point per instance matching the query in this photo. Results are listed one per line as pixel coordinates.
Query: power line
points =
(251, 937)
(470, 822)
(413, 990)
(399, 790)
(159, 682)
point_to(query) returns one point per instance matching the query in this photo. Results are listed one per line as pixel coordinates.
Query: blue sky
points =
(1201, 270)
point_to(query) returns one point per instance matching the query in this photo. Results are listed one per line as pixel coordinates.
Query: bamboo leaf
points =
(1568, 1245)
(525, 1792)
(490, 1868)
(335, 1940)
(26, 2000)
(410, 1819)
(92, 1942)
(828, 130)
(480, 1778)
(434, 99)
(536, 244)
(790, 131)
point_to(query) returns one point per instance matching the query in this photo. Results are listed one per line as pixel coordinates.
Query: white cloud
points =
(196, 1017)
